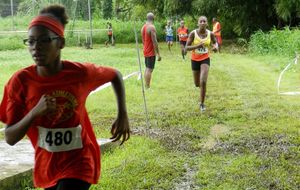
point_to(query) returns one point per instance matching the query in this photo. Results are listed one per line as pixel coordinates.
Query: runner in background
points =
(217, 32)
(182, 32)
(169, 34)
(150, 48)
(111, 38)
(198, 42)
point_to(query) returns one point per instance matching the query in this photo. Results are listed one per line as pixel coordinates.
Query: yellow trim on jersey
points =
(206, 42)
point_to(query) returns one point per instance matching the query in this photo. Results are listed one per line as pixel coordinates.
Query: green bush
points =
(280, 42)
(11, 43)
(123, 32)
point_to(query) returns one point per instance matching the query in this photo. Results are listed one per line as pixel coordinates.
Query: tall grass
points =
(280, 42)
(123, 31)
(11, 42)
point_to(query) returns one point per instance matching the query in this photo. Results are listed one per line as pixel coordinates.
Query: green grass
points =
(247, 139)
(144, 163)
(283, 42)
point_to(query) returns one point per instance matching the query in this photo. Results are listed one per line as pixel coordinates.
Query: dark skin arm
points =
(14, 133)
(120, 128)
(152, 31)
(214, 42)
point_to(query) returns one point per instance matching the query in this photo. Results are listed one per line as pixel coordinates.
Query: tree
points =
(124, 9)
(177, 7)
(288, 11)
(238, 17)
(107, 9)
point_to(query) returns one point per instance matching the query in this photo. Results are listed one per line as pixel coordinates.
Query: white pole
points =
(91, 27)
(140, 66)
(74, 17)
(12, 14)
(176, 31)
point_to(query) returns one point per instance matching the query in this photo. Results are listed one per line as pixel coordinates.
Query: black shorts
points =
(110, 38)
(182, 42)
(196, 65)
(150, 62)
(71, 183)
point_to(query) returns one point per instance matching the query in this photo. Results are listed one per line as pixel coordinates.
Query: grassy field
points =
(247, 139)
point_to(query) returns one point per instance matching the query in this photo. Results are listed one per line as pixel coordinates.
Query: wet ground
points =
(15, 159)
(19, 158)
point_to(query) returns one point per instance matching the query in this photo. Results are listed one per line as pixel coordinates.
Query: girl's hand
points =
(158, 58)
(120, 128)
(184, 51)
(215, 48)
(200, 45)
(45, 105)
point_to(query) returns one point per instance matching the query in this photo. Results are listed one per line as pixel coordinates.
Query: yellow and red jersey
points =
(203, 52)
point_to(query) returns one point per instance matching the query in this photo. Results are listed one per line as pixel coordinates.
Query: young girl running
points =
(110, 35)
(199, 42)
(46, 102)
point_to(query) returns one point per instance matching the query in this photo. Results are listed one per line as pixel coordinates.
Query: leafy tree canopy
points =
(238, 17)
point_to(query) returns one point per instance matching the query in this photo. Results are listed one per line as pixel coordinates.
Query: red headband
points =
(48, 22)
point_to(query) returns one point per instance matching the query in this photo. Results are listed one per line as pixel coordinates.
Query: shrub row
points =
(280, 42)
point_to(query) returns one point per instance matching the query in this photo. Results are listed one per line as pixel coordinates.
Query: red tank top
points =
(148, 44)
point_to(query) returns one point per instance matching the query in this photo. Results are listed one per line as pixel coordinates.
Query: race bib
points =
(60, 139)
(202, 50)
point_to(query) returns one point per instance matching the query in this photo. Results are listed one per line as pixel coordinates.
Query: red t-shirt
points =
(183, 33)
(70, 88)
(148, 43)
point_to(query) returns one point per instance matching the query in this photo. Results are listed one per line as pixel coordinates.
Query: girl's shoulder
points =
(194, 32)
(20, 77)
(27, 71)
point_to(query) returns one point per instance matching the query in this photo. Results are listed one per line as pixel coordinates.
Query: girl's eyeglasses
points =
(41, 40)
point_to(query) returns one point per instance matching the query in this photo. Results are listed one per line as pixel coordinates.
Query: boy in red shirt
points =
(183, 33)
(46, 102)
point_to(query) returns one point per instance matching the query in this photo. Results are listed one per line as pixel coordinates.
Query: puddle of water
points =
(215, 133)
(15, 159)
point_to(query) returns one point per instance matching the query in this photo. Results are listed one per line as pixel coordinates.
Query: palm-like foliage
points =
(238, 17)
